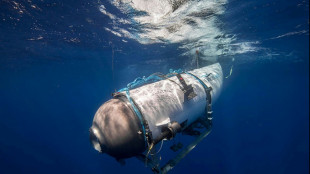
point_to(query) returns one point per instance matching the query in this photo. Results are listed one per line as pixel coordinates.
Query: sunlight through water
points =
(194, 25)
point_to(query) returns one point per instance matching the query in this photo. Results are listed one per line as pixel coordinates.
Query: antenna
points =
(112, 62)
(197, 58)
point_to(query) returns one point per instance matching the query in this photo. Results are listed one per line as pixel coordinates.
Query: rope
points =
(140, 82)
(138, 113)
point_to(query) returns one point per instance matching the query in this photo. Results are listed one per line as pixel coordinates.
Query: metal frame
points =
(173, 162)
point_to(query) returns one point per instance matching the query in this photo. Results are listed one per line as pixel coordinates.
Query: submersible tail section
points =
(152, 109)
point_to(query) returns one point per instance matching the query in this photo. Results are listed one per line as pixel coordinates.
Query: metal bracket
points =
(188, 90)
(173, 162)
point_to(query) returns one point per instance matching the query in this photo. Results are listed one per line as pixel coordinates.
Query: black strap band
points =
(208, 97)
(187, 89)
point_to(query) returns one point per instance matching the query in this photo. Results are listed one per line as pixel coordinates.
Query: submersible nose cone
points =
(116, 130)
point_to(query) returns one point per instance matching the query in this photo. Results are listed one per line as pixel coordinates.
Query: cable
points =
(161, 145)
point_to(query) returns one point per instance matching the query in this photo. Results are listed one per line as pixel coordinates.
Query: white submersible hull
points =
(127, 124)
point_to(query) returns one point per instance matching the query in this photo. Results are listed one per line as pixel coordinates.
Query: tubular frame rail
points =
(173, 162)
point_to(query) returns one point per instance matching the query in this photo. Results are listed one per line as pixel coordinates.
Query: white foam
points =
(192, 23)
(291, 34)
(103, 10)
(113, 32)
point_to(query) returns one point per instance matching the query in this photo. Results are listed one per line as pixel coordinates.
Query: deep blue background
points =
(50, 89)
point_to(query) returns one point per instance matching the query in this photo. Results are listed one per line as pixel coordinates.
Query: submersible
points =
(153, 109)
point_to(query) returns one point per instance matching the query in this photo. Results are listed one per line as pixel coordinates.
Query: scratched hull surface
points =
(163, 102)
(59, 61)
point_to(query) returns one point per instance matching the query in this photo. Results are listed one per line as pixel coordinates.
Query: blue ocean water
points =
(59, 61)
